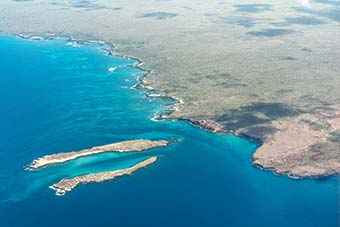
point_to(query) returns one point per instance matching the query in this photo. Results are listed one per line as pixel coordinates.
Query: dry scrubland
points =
(264, 69)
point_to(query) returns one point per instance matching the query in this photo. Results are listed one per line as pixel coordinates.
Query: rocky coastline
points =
(303, 147)
(279, 164)
(68, 184)
(125, 146)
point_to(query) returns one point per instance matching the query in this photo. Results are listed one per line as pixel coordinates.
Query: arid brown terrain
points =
(264, 69)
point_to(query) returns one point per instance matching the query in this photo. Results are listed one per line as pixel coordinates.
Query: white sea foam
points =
(73, 44)
(112, 69)
(155, 117)
(36, 38)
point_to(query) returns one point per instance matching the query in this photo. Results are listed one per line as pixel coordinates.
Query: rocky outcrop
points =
(68, 184)
(125, 146)
(208, 125)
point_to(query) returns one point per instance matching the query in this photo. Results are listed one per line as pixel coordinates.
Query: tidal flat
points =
(240, 64)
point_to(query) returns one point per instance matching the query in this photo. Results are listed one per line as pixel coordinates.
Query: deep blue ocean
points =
(56, 96)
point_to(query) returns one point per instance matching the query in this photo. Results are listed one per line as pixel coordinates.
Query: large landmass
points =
(68, 184)
(125, 146)
(264, 69)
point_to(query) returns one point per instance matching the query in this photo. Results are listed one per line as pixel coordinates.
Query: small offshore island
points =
(291, 51)
(125, 146)
(205, 180)
(66, 185)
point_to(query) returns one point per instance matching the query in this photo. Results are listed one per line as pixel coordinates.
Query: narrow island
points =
(125, 146)
(68, 184)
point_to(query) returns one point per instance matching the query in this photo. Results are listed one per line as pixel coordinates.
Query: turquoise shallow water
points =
(56, 97)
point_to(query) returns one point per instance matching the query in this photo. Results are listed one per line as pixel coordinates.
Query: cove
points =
(56, 96)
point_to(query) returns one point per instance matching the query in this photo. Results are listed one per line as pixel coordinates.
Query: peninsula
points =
(237, 67)
(125, 146)
(68, 184)
(303, 146)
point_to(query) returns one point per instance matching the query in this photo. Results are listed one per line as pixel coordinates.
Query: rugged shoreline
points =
(291, 147)
(206, 124)
(125, 146)
(68, 184)
(112, 51)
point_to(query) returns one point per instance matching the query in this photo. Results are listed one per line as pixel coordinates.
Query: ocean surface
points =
(56, 95)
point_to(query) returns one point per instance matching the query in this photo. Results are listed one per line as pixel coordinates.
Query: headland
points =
(242, 66)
